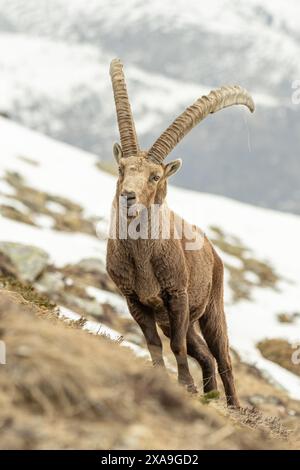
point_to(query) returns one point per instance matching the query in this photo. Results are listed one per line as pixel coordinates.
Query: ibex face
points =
(142, 181)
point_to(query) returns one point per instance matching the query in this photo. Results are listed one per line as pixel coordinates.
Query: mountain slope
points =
(103, 397)
(54, 197)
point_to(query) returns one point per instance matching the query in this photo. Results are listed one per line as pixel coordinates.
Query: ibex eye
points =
(155, 177)
(120, 170)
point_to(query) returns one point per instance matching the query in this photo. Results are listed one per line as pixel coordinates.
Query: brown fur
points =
(166, 285)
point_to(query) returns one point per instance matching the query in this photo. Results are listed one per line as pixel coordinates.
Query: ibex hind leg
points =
(198, 350)
(214, 329)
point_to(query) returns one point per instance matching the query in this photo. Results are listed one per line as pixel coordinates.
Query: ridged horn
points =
(214, 101)
(129, 142)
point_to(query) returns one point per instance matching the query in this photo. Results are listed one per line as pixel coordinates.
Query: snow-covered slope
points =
(55, 79)
(59, 169)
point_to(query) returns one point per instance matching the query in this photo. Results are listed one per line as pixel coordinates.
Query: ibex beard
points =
(167, 283)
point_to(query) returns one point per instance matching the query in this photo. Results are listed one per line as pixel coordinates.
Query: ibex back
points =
(165, 281)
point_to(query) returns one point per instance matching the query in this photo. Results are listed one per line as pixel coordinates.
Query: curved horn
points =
(127, 132)
(216, 100)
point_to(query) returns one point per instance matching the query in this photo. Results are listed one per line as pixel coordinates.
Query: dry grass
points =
(285, 317)
(62, 388)
(12, 213)
(281, 352)
(71, 219)
(262, 273)
(27, 293)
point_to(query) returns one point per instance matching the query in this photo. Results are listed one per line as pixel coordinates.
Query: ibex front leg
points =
(177, 305)
(145, 318)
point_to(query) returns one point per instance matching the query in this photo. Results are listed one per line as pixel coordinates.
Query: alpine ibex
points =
(165, 284)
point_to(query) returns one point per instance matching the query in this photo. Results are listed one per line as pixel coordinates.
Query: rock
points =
(51, 283)
(275, 400)
(257, 400)
(6, 266)
(90, 272)
(28, 261)
(84, 306)
(92, 265)
(73, 222)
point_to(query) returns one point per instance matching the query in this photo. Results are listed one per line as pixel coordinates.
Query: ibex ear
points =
(117, 151)
(172, 167)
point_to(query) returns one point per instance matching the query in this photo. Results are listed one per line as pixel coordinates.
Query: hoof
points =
(236, 406)
(233, 403)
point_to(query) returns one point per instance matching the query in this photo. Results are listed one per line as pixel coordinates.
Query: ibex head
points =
(142, 174)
